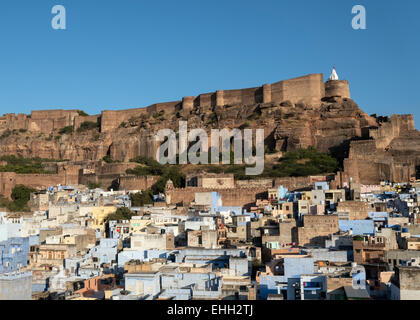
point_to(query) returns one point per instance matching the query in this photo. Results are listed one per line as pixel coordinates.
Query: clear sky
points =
(133, 53)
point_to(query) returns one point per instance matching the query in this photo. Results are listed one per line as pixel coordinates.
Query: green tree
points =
(82, 113)
(141, 198)
(66, 130)
(170, 173)
(93, 185)
(21, 195)
(88, 125)
(122, 213)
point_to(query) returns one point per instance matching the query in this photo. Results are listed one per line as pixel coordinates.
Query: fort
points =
(295, 113)
(308, 89)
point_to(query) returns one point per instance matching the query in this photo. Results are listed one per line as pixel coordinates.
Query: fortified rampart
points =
(392, 153)
(39, 121)
(8, 180)
(44, 121)
(309, 89)
(398, 125)
(66, 173)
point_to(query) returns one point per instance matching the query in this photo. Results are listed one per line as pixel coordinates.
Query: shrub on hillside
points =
(66, 130)
(87, 125)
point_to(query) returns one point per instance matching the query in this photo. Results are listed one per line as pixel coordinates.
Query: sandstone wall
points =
(80, 119)
(115, 168)
(392, 153)
(337, 88)
(47, 120)
(255, 183)
(132, 182)
(7, 183)
(357, 210)
(398, 125)
(244, 197)
(128, 147)
(309, 89)
(111, 119)
(44, 121)
(316, 229)
(8, 180)
(293, 183)
(41, 181)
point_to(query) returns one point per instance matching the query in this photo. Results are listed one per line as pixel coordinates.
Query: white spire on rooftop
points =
(333, 75)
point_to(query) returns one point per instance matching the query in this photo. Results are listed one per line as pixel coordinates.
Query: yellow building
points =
(307, 195)
(99, 215)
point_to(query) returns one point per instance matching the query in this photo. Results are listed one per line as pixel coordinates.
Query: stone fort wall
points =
(132, 182)
(44, 121)
(309, 89)
(8, 180)
(368, 161)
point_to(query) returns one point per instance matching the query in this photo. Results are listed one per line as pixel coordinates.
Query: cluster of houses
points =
(319, 243)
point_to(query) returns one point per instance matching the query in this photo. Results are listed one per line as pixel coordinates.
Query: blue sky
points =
(133, 53)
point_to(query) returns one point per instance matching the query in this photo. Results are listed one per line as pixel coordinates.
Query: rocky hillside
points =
(287, 126)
